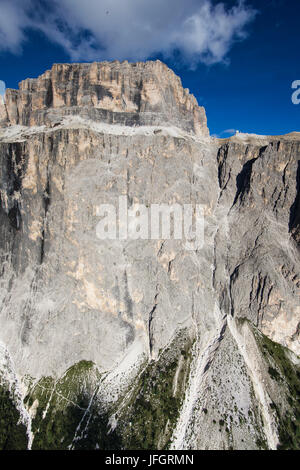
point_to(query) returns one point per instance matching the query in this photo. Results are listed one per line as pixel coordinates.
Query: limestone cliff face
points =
(131, 94)
(143, 343)
(259, 184)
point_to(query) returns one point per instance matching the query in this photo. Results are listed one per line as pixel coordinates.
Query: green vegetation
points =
(287, 375)
(153, 409)
(66, 415)
(60, 406)
(274, 374)
(12, 433)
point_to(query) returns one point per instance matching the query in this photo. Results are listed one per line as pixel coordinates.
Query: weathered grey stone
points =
(82, 135)
(260, 187)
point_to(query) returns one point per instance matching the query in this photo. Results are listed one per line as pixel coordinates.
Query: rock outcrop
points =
(143, 343)
(129, 94)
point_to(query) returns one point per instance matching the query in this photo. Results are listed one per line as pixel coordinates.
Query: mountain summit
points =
(144, 342)
(122, 93)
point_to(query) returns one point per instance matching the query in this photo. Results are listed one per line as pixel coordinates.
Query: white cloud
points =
(2, 91)
(128, 29)
(229, 131)
(226, 132)
(2, 88)
(13, 21)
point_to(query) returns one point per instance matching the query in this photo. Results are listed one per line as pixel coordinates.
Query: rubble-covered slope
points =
(131, 344)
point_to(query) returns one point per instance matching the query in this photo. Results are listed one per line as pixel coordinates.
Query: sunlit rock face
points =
(130, 94)
(100, 333)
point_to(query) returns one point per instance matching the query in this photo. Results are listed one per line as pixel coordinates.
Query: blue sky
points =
(239, 60)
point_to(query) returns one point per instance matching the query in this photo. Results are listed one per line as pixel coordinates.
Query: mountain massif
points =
(142, 343)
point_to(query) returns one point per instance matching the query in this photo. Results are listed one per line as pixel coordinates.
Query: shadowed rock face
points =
(143, 343)
(260, 187)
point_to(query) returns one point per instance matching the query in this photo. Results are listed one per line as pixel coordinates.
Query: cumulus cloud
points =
(11, 27)
(196, 30)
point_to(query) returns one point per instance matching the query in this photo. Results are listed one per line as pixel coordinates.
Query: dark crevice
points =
(294, 221)
(137, 99)
(233, 278)
(101, 91)
(14, 171)
(150, 322)
(243, 180)
(49, 95)
(14, 167)
(222, 158)
(46, 204)
(14, 216)
(149, 328)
